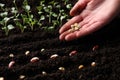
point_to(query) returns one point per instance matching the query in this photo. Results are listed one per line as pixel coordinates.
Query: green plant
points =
(48, 10)
(19, 25)
(40, 12)
(2, 6)
(65, 1)
(6, 27)
(29, 18)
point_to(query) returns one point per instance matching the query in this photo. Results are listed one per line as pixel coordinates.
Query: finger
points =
(62, 36)
(67, 25)
(89, 28)
(71, 36)
(78, 7)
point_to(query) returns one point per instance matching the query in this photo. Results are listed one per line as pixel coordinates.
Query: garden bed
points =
(38, 54)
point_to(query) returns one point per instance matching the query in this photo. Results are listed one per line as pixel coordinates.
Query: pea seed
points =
(61, 68)
(22, 76)
(54, 56)
(93, 64)
(34, 59)
(27, 53)
(1, 78)
(44, 73)
(80, 66)
(42, 49)
(11, 55)
(73, 53)
(11, 64)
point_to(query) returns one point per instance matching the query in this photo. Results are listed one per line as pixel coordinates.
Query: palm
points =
(91, 16)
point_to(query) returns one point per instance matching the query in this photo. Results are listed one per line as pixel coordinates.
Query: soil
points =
(106, 55)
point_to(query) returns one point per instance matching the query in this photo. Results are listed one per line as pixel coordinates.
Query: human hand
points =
(91, 15)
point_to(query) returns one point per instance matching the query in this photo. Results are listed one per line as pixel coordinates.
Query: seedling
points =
(2, 6)
(65, 1)
(29, 18)
(4, 14)
(20, 26)
(48, 10)
(6, 27)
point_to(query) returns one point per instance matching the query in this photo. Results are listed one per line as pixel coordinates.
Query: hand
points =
(91, 15)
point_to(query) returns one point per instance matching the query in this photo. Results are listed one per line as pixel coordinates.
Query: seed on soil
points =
(11, 64)
(54, 56)
(42, 49)
(72, 53)
(95, 47)
(1, 78)
(44, 73)
(22, 76)
(34, 59)
(11, 55)
(61, 68)
(80, 66)
(93, 64)
(27, 53)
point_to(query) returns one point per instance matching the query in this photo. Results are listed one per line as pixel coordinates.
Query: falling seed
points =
(54, 56)
(93, 64)
(42, 49)
(34, 59)
(22, 76)
(11, 64)
(81, 66)
(61, 68)
(1, 78)
(44, 73)
(73, 53)
(95, 47)
(11, 55)
(27, 53)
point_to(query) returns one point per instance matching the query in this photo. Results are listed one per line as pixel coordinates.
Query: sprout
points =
(3, 14)
(6, 19)
(27, 7)
(2, 5)
(69, 6)
(7, 28)
(10, 27)
(14, 10)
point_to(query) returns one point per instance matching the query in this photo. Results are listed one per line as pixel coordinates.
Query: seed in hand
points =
(74, 27)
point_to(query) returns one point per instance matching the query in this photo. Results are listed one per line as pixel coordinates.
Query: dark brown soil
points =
(106, 56)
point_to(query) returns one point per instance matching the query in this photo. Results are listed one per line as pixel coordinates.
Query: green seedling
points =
(29, 18)
(48, 10)
(2, 6)
(19, 25)
(5, 26)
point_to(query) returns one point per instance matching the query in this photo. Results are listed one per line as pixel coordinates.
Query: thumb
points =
(78, 7)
